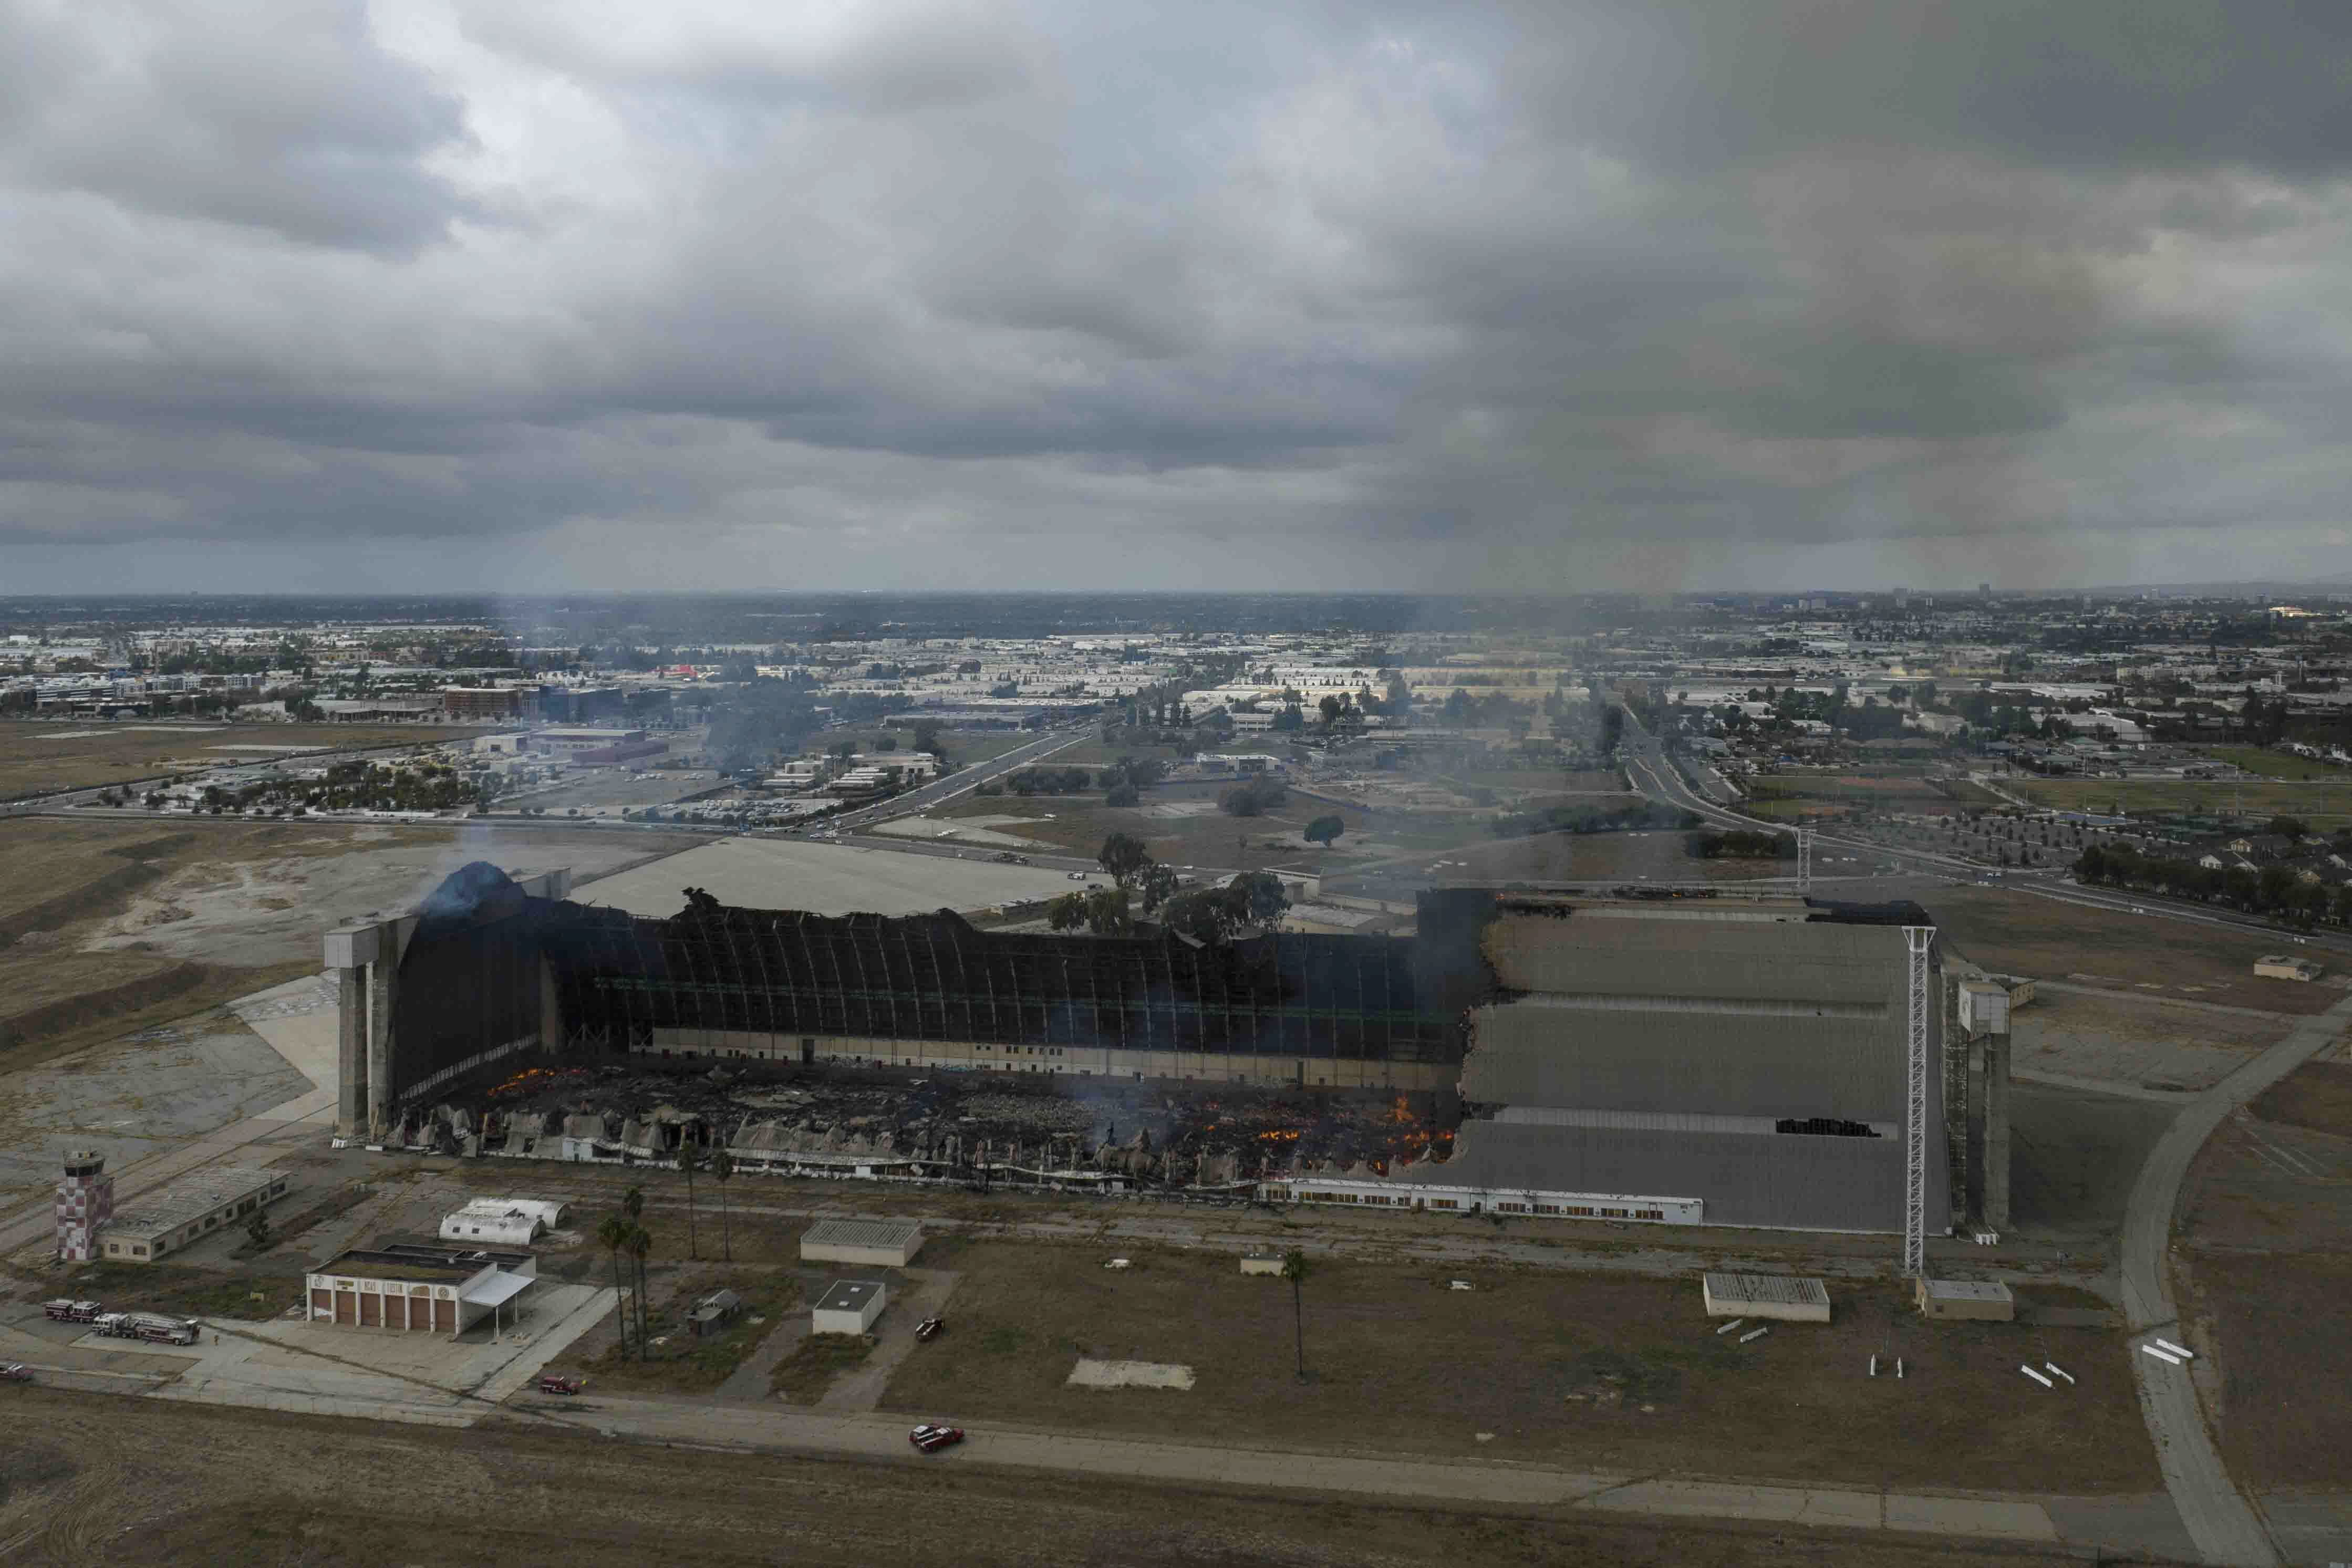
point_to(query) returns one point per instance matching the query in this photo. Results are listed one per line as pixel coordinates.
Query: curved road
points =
(2225, 1526)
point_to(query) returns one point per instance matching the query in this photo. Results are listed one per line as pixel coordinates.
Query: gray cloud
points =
(958, 294)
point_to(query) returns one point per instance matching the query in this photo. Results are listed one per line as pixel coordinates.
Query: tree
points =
(1123, 794)
(2289, 827)
(614, 1235)
(1330, 707)
(1124, 856)
(1157, 885)
(1100, 910)
(257, 1229)
(641, 1244)
(1326, 831)
(1294, 1269)
(687, 1162)
(722, 1171)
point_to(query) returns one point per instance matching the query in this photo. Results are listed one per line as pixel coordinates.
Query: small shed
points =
(1984, 1301)
(1984, 1007)
(1784, 1297)
(1261, 1263)
(714, 1312)
(2286, 967)
(870, 1243)
(848, 1306)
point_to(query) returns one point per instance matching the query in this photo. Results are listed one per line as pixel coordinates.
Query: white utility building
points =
(849, 1306)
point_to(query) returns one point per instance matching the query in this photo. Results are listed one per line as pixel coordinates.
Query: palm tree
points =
(687, 1162)
(640, 1243)
(722, 1168)
(1294, 1269)
(615, 1236)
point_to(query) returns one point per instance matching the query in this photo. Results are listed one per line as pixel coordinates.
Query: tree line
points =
(2271, 890)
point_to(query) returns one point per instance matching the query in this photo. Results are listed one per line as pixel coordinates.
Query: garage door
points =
(444, 1316)
(371, 1311)
(395, 1309)
(347, 1306)
(322, 1301)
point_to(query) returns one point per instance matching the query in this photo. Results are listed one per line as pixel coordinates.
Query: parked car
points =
(15, 1371)
(553, 1382)
(930, 1327)
(930, 1440)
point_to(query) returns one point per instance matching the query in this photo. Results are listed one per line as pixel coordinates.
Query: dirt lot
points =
(678, 1363)
(1597, 857)
(94, 1479)
(2266, 1278)
(2123, 1040)
(38, 758)
(2074, 1156)
(1623, 1373)
(2019, 934)
(109, 924)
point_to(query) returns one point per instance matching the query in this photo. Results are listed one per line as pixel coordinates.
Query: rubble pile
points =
(1058, 1133)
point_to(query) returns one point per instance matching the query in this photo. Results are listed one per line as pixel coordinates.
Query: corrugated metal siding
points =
(1779, 962)
(1792, 1182)
(1640, 1060)
(1658, 1121)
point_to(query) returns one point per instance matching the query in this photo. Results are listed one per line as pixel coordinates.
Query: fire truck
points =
(152, 1327)
(67, 1312)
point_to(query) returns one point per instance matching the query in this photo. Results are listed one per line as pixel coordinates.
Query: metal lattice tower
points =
(1804, 859)
(1919, 940)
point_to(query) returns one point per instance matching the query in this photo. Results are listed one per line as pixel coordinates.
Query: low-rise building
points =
(412, 1288)
(1984, 1301)
(189, 1209)
(848, 1307)
(874, 1243)
(502, 1221)
(2284, 967)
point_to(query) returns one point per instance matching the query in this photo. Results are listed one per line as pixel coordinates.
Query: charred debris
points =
(944, 1128)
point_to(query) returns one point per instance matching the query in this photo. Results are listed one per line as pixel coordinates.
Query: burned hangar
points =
(1731, 1061)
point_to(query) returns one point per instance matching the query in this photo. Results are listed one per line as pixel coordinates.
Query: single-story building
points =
(189, 1209)
(872, 1243)
(848, 1306)
(413, 1288)
(1983, 1300)
(503, 1221)
(2284, 967)
(1261, 1263)
(1783, 1296)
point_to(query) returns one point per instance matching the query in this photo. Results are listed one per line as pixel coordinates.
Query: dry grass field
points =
(1608, 1373)
(2020, 934)
(2265, 1277)
(36, 758)
(130, 1484)
(2324, 804)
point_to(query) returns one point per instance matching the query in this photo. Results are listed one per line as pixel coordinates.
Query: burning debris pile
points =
(1071, 1135)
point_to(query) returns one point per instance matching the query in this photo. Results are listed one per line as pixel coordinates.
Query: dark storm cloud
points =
(1658, 290)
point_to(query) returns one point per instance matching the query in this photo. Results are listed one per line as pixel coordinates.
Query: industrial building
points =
(189, 1209)
(1759, 1060)
(418, 1289)
(875, 1243)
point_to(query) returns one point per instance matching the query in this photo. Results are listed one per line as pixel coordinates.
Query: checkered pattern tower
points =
(85, 1203)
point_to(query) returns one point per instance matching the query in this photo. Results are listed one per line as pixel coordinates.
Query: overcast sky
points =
(1581, 293)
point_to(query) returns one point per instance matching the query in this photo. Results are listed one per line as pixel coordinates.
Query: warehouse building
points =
(190, 1209)
(413, 1288)
(1704, 1063)
(874, 1243)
